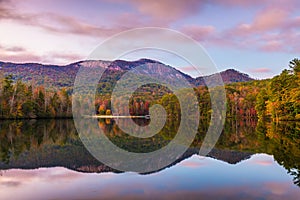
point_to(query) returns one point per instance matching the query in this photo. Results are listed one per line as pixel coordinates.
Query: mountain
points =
(228, 76)
(75, 157)
(57, 76)
(48, 75)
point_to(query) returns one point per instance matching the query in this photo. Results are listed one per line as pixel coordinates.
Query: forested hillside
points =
(20, 100)
(57, 77)
(280, 98)
(276, 99)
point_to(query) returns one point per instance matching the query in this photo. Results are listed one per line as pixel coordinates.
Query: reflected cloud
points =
(277, 188)
(131, 185)
(236, 192)
(262, 160)
(10, 183)
(15, 177)
(193, 162)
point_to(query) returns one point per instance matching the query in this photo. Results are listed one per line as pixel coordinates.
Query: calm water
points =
(46, 160)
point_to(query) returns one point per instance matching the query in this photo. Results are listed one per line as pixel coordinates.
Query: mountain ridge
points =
(64, 75)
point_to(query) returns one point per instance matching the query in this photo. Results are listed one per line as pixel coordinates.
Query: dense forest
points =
(20, 100)
(280, 98)
(276, 99)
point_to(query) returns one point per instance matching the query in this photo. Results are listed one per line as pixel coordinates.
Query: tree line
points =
(277, 99)
(20, 100)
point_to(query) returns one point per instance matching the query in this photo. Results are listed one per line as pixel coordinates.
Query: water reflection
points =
(193, 178)
(55, 143)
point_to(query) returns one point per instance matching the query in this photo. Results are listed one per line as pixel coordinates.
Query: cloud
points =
(20, 58)
(15, 177)
(272, 46)
(61, 58)
(274, 28)
(67, 56)
(15, 49)
(278, 188)
(188, 68)
(144, 13)
(265, 20)
(66, 24)
(273, 17)
(263, 160)
(5, 3)
(167, 10)
(58, 24)
(11, 48)
(8, 11)
(192, 164)
(293, 23)
(22, 55)
(17, 54)
(241, 3)
(10, 183)
(199, 33)
(63, 24)
(261, 70)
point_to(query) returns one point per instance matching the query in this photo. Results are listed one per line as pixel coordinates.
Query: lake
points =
(45, 159)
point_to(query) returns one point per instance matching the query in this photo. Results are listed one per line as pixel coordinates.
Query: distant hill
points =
(56, 76)
(228, 76)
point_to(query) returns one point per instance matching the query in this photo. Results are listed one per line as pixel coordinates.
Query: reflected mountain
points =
(51, 143)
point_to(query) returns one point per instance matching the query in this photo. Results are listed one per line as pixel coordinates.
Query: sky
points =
(257, 37)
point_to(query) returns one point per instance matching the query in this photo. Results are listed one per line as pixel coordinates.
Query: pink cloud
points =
(167, 10)
(261, 70)
(170, 10)
(21, 55)
(12, 49)
(278, 188)
(57, 23)
(265, 20)
(188, 68)
(243, 3)
(66, 24)
(64, 57)
(272, 28)
(272, 46)
(10, 183)
(191, 164)
(15, 49)
(199, 32)
(294, 23)
(263, 162)
(127, 19)
(149, 13)
(51, 174)
(269, 19)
